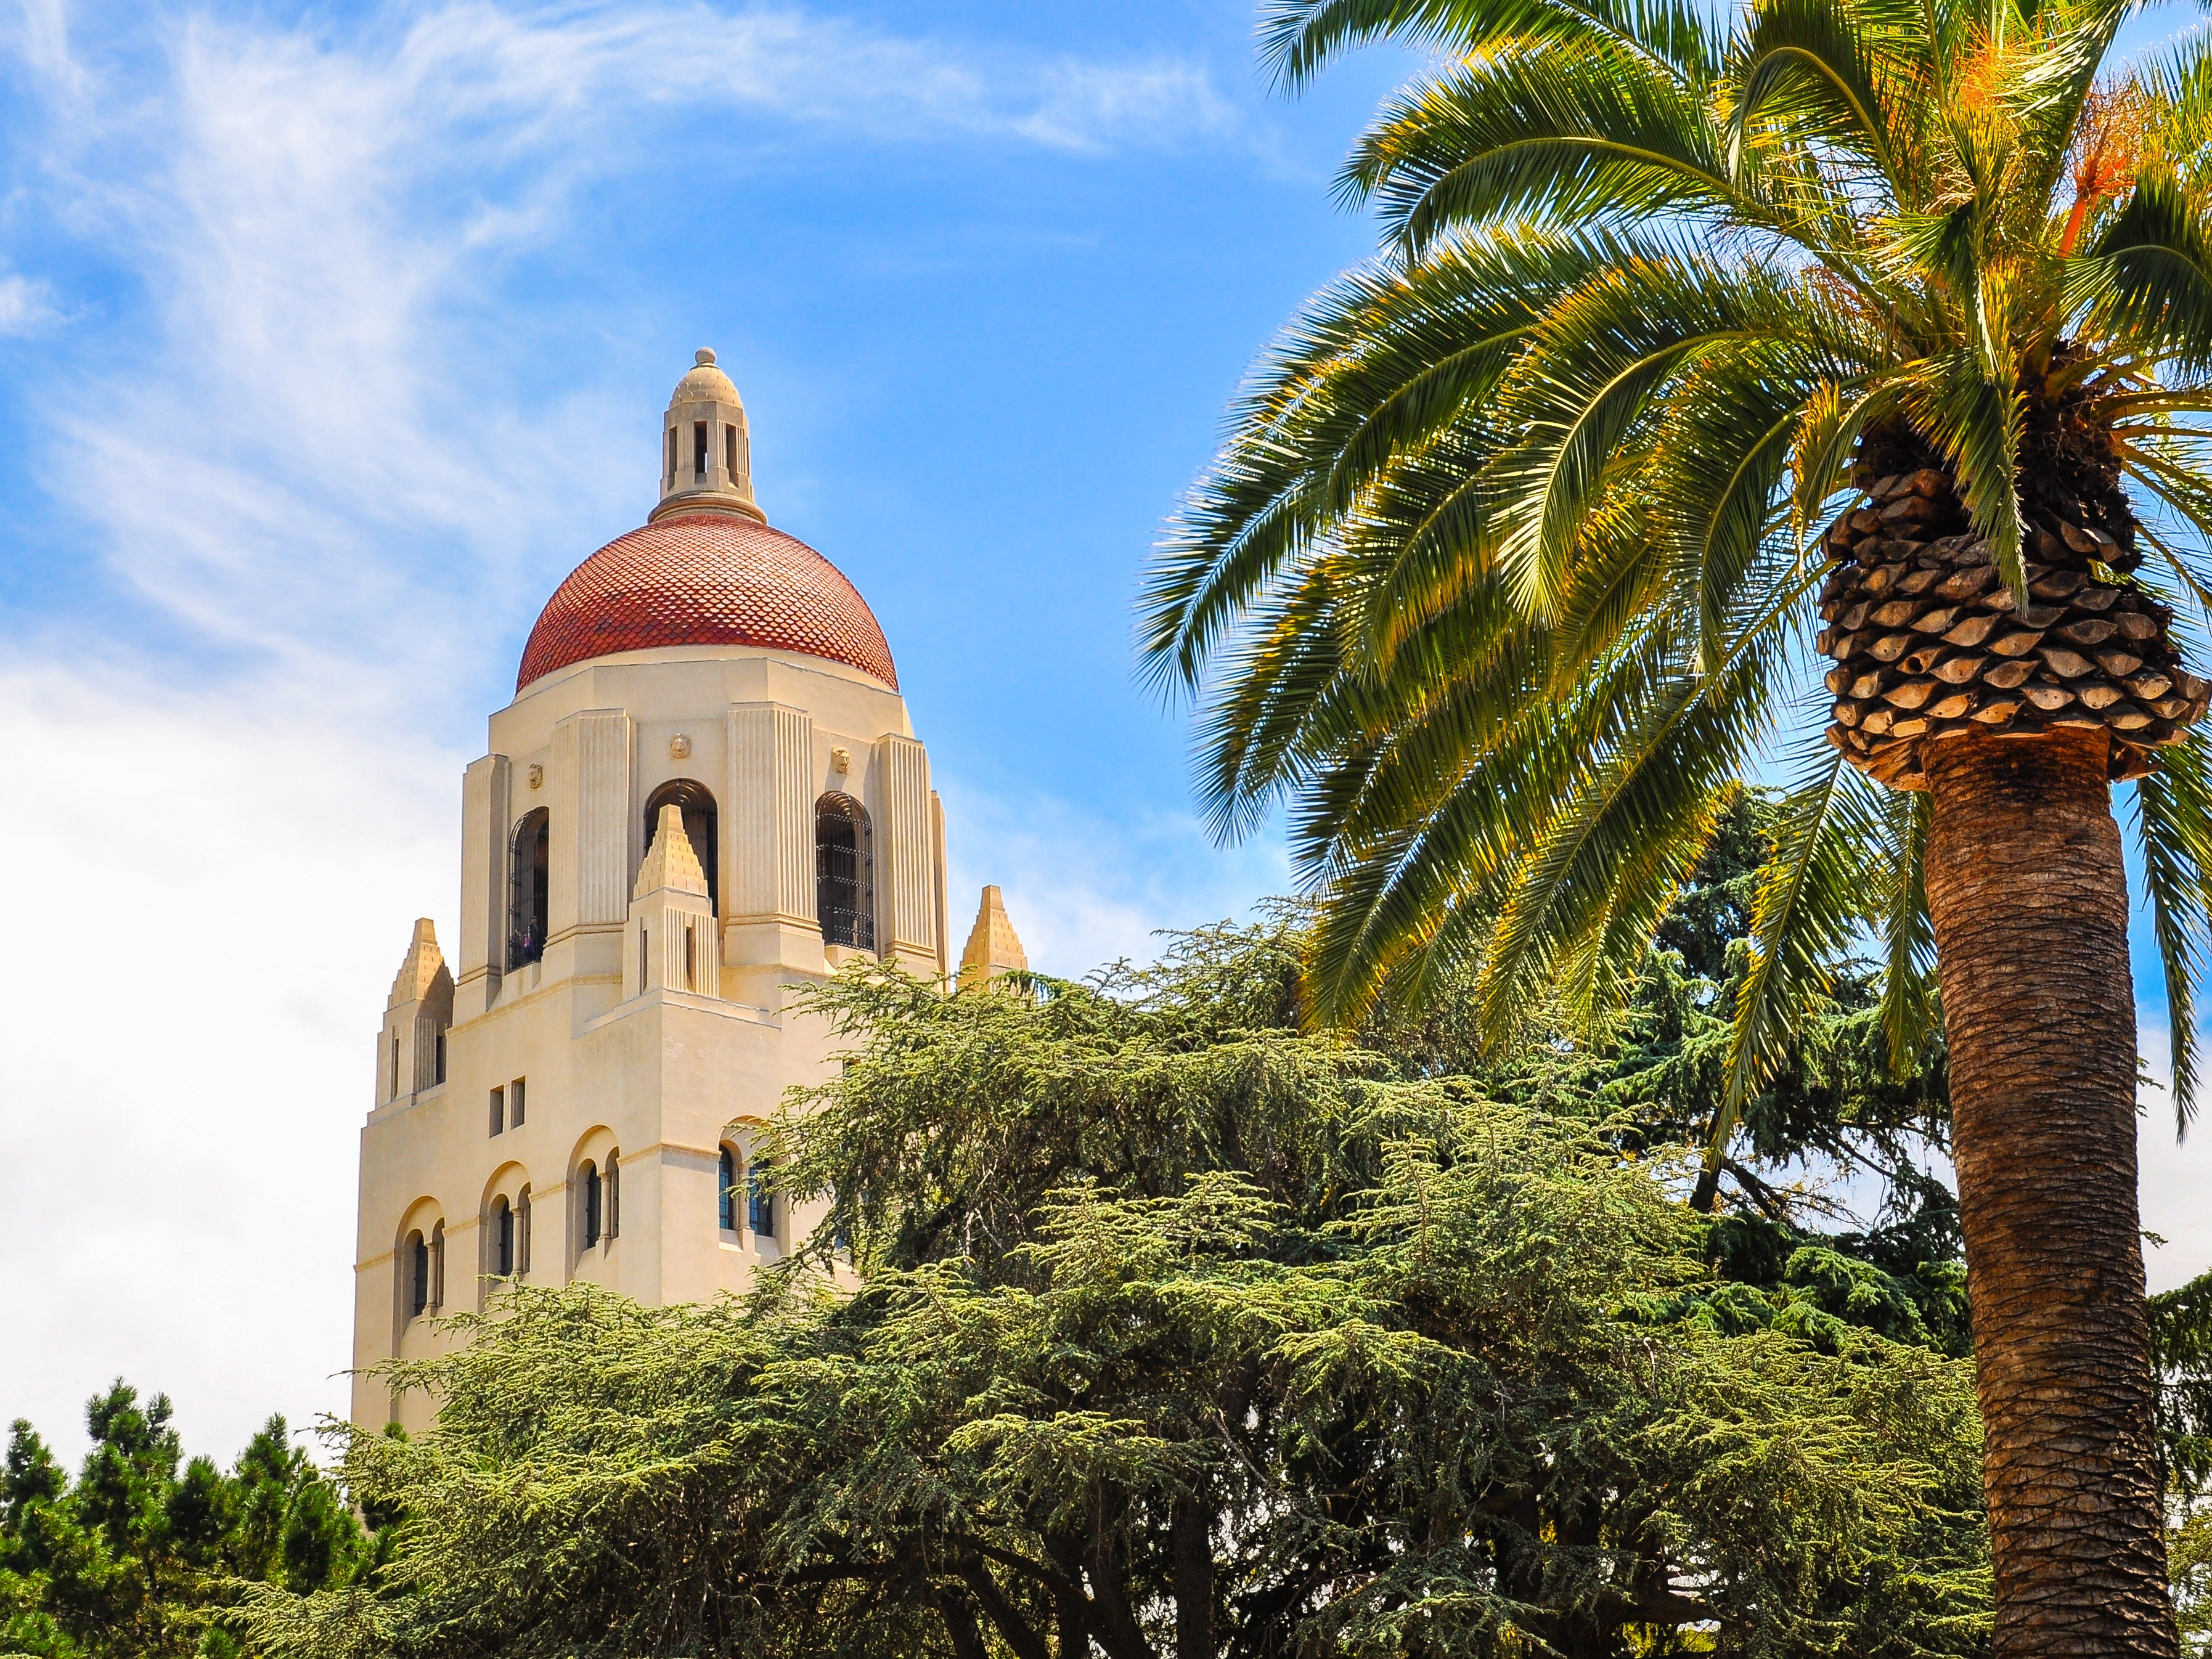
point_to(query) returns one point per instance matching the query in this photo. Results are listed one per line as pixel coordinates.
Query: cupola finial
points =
(706, 451)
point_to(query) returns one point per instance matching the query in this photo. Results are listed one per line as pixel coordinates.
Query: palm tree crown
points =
(1505, 573)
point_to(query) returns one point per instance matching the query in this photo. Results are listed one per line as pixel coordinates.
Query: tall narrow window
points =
(529, 886)
(730, 451)
(592, 1196)
(844, 873)
(418, 1258)
(394, 1092)
(671, 454)
(522, 1233)
(614, 1195)
(514, 1104)
(644, 957)
(502, 1238)
(440, 1039)
(691, 965)
(437, 1266)
(760, 1201)
(726, 1209)
(697, 802)
(498, 1110)
(699, 448)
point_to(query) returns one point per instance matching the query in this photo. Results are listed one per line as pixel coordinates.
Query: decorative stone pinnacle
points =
(993, 947)
(670, 862)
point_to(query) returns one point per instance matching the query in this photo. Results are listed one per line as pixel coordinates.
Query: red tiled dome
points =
(706, 578)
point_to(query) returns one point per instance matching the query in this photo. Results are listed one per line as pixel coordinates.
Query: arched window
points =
(416, 1257)
(697, 805)
(529, 891)
(844, 873)
(760, 1202)
(503, 1238)
(726, 1207)
(522, 1233)
(593, 1200)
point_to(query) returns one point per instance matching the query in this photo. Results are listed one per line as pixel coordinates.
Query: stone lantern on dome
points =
(706, 453)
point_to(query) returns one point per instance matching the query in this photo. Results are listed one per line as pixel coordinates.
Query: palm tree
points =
(1688, 337)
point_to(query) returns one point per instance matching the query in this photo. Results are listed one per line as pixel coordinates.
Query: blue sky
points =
(331, 337)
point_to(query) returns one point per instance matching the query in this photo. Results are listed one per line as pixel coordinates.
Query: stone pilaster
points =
(906, 883)
(484, 853)
(770, 916)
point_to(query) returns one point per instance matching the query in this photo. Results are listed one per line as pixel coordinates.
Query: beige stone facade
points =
(647, 850)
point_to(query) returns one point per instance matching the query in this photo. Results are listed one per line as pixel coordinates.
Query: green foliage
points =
(1142, 1320)
(2181, 1349)
(1501, 583)
(139, 1557)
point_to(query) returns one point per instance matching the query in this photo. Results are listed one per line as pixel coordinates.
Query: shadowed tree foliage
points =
(141, 1553)
(1159, 1328)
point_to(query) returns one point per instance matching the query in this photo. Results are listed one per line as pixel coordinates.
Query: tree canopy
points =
(141, 1554)
(1140, 1319)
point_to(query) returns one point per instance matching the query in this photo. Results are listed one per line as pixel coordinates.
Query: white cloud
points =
(26, 305)
(2175, 1182)
(209, 892)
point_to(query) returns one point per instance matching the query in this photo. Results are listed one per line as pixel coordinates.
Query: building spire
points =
(706, 450)
(993, 947)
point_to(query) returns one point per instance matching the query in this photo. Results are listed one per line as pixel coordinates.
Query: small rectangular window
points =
(699, 447)
(441, 1057)
(498, 1110)
(514, 1104)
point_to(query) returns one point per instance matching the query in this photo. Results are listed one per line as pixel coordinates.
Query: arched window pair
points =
(844, 873)
(599, 1202)
(510, 1236)
(759, 1199)
(529, 890)
(422, 1260)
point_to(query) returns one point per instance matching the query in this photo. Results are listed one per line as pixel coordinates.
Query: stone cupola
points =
(706, 453)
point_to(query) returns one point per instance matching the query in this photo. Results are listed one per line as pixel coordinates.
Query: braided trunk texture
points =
(2029, 900)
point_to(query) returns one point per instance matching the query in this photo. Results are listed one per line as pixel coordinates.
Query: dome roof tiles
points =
(706, 578)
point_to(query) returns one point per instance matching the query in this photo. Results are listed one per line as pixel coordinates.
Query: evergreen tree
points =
(138, 1557)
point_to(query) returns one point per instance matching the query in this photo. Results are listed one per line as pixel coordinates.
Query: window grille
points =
(502, 1236)
(591, 1200)
(530, 891)
(727, 1189)
(844, 873)
(418, 1274)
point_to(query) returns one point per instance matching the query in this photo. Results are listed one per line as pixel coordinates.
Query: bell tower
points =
(706, 795)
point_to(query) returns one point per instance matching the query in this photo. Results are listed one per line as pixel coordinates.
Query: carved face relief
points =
(537, 776)
(679, 747)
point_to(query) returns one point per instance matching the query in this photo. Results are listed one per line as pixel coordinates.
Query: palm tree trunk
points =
(2029, 899)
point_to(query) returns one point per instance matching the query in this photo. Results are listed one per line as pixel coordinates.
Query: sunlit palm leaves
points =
(1503, 578)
